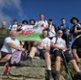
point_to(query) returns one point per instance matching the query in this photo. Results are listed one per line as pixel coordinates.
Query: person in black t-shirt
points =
(76, 31)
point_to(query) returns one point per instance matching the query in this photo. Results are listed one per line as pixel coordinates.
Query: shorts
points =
(1, 44)
(51, 38)
(67, 55)
(76, 43)
(41, 52)
(3, 54)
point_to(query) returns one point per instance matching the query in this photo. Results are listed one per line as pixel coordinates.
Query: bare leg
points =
(0, 55)
(32, 52)
(57, 68)
(73, 62)
(57, 63)
(47, 59)
(6, 58)
(75, 55)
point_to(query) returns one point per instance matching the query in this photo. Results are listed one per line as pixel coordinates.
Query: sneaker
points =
(49, 75)
(7, 68)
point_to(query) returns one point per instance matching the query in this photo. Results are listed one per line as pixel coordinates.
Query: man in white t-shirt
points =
(41, 23)
(59, 46)
(10, 45)
(42, 49)
(52, 29)
(14, 26)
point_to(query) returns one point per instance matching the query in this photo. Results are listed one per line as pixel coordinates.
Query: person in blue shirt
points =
(65, 28)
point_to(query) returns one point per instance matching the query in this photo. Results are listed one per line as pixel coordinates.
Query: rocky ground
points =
(34, 71)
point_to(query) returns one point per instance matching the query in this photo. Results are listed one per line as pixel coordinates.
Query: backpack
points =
(17, 56)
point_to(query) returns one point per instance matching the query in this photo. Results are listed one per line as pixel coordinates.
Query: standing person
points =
(42, 23)
(31, 26)
(32, 23)
(3, 33)
(10, 45)
(52, 29)
(42, 49)
(65, 28)
(60, 46)
(24, 25)
(14, 25)
(76, 31)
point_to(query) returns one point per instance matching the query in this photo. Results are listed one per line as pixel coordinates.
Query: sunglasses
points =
(59, 33)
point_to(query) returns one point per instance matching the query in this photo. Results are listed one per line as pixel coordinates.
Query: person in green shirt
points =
(3, 33)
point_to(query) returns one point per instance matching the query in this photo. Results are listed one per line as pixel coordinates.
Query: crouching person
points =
(59, 45)
(10, 45)
(43, 49)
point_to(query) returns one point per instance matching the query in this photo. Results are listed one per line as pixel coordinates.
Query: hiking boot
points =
(28, 60)
(49, 75)
(57, 75)
(77, 76)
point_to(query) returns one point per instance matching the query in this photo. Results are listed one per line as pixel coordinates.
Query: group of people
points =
(55, 40)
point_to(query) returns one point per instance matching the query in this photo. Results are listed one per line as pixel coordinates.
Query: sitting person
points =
(43, 49)
(10, 45)
(59, 45)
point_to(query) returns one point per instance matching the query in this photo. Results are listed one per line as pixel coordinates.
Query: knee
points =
(47, 55)
(74, 51)
(72, 61)
(58, 59)
(0, 55)
(8, 56)
(33, 49)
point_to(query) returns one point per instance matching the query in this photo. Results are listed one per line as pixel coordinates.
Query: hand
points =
(62, 48)
(67, 31)
(41, 45)
(22, 49)
(67, 49)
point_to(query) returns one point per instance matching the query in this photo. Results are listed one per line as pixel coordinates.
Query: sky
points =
(30, 9)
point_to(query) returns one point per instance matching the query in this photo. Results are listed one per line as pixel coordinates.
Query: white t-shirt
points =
(8, 49)
(60, 42)
(52, 32)
(45, 42)
(31, 26)
(26, 27)
(41, 23)
(13, 27)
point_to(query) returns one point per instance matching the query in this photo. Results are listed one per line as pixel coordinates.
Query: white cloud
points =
(10, 4)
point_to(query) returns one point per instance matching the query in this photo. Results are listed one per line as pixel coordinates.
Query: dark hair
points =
(45, 30)
(24, 21)
(62, 19)
(14, 20)
(50, 20)
(74, 18)
(32, 20)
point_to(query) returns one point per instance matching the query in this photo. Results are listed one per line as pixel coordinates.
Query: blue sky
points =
(27, 9)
